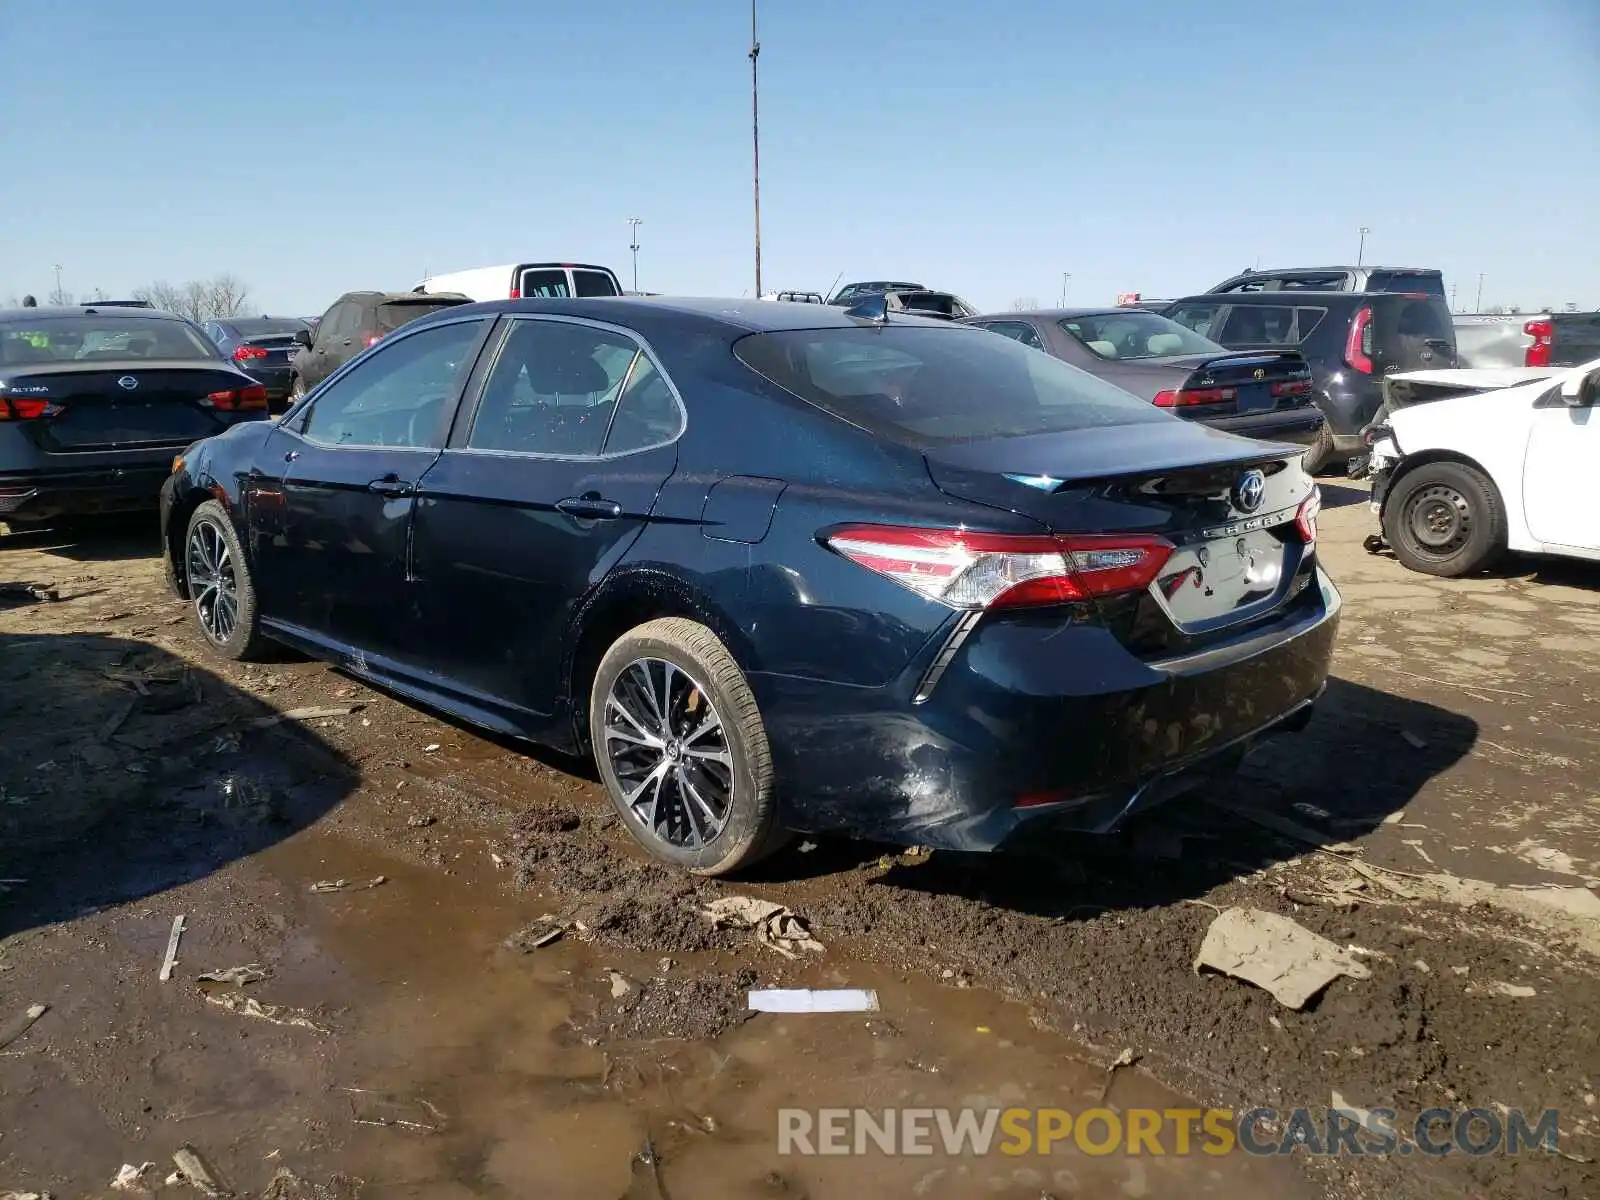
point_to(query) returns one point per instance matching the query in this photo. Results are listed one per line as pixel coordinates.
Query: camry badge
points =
(1249, 490)
(1258, 374)
(127, 383)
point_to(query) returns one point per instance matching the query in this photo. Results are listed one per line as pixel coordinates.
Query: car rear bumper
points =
(32, 496)
(277, 380)
(1298, 427)
(1026, 730)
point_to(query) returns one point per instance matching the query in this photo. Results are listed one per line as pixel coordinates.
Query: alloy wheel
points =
(212, 582)
(667, 746)
(1439, 519)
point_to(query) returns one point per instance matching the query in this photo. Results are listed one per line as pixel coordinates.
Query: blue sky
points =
(312, 146)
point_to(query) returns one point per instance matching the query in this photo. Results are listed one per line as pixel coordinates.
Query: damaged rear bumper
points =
(1025, 733)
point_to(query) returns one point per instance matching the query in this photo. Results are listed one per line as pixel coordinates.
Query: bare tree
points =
(60, 297)
(199, 299)
(1025, 304)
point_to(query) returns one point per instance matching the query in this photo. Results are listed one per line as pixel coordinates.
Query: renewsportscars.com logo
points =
(1435, 1132)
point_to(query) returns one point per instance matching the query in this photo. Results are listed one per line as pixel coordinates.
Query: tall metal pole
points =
(1065, 275)
(1478, 306)
(1361, 251)
(755, 136)
(1453, 307)
(633, 244)
(58, 296)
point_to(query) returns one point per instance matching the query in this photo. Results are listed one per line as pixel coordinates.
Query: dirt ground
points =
(419, 1037)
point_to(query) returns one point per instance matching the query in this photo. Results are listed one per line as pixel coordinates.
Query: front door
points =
(1557, 478)
(537, 497)
(332, 551)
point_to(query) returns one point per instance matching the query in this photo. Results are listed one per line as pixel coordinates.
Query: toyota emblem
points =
(127, 383)
(1249, 490)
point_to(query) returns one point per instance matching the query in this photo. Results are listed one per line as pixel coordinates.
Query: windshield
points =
(854, 291)
(1430, 282)
(925, 386)
(392, 316)
(101, 338)
(1136, 334)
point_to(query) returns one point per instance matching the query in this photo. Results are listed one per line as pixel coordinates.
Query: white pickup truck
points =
(526, 281)
(1506, 465)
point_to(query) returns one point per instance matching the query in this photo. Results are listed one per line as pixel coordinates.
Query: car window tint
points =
(917, 385)
(396, 396)
(1198, 317)
(553, 389)
(594, 283)
(1134, 333)
(1017, 331)
(343, 320)
(1306, 322)
(391, 316)
(647, 411)
(546, 284)
(1258, 325)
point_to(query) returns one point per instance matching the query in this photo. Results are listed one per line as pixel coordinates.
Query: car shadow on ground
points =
(1365, 755)
(128, 771)
(98, 539)
(1338, 495)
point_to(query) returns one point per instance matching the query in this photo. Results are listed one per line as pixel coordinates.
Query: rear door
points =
(540, 493)
(333, 566)
(586, 282)
(1411, 332)
(544, 283)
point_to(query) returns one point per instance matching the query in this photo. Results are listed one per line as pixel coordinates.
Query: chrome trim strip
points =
(947, 652)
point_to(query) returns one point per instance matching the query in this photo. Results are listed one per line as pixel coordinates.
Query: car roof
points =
(1323, 270)
(15, 315)
(1290, 297)
(739, 316)
(400, 297)
(1057, 314)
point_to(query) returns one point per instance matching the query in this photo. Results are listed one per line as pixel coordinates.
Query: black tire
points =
(297, 391)
(1320, 456)
(1445, 518)
(704, 685)
(210, 533)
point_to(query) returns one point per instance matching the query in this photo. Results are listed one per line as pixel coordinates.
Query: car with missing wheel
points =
(93, 402)
(1457, 482)
(777, 568)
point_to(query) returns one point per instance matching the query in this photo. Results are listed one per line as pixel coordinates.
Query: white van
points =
(526, 281)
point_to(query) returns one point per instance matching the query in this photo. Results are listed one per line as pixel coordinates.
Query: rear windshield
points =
(593, 283)
(924, 386)
(101, 339)
(1136, 334)
(1430, 282)
(251, 327)
(854, 291)
(545, 285)
(392, 316)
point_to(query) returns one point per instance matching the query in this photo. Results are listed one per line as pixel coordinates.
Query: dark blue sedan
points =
(778, 567)
(262, 347)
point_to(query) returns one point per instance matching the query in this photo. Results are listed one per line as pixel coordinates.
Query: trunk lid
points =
(1411, 332)
(165, 405)
(1227, 504)
(1577, 338)
(280, 348)
(1249, 382)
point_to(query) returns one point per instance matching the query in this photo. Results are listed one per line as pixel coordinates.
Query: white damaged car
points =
(1509, 460)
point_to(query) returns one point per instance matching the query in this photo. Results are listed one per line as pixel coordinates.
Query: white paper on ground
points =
(809, 1000)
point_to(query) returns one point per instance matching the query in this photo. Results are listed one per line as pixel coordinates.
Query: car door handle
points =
(591, 508)
(390, 485)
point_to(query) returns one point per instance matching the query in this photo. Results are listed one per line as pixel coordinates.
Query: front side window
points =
(396, 396)
(1136, 334)
(553, 389)
(923, 387)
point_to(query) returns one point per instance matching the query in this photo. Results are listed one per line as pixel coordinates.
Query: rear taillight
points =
(1543, 334)
(1305, 517)
(1358, 345)
(1186, 397)
(245, 399)
(516, 293)
(19, 408)
(1297, 387)
(998, 570)
(246, 353)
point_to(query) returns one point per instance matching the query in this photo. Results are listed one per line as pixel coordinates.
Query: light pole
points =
(1361, 250)
(59, 296)
(1065, 276)
(1453, 307)
(633, 244)
(1478, 304)
(755, 137)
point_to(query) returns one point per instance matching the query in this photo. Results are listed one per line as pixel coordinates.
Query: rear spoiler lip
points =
(1292, 361)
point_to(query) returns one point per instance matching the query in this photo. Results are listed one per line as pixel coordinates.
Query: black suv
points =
(356, 321)
(1336, 279)
(1350, 339)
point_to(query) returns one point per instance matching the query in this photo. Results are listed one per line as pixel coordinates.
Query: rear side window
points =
(1306, 321)
(545, 285)
(647, 411)
(923, 386)
(1017, 331)
(593, 283)
(553, 389)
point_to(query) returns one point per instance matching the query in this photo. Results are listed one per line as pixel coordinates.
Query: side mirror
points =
(302, 337)
(1581, 391)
